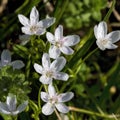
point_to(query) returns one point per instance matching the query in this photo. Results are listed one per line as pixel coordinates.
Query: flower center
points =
(58, 44)
(49, 74)
(104, 42)
(34, 29)
(54, 99)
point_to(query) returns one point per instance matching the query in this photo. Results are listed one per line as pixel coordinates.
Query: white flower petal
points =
(95, 31)
(17, 64)
(46, 61)
(114, 36)
(71, 40)
(58, 64)
(44, 96)
(45, 80)
(40, 31)
(51, 90)
(5, 57)
(50, 37)
(62, 108)
(22, 106)
(54, 52)
(38, 68)
(45, 23)
(64, 97)
(34, 16)
(4, 108)
(101, 30)
(11, 102)
(59, 33)
(48, 109)
(14, 112)
(100, 45)
(61, 76)
(110, 46)
(23, 20)
(27, 31)
(66, 50)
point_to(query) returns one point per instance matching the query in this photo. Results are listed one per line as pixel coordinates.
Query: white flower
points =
(10, 108)
(6, 60)
(55, 100)
(34, 26)
(51, 70)
(61, 43)
(105, 40)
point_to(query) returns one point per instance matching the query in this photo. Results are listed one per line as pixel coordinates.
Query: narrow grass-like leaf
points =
(110, 11)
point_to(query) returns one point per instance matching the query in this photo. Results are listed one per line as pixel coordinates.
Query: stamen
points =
(54, 99)
(49, 74)
(58, 44)
(34, 29)
(104, 41)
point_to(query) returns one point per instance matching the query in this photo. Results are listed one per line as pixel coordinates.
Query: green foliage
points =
(13, 81)
(81, 13)
(96, 91)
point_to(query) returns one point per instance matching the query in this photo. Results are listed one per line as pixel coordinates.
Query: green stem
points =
(59, 12)
(114, 117)
(92, 52)
(33, 105)
(35, 109)
(39, 104)
(32, 39)
(22, 6)
(92, 113)
(28, 66)
(57, 114)
(46, 88)
(14, 117)
(110, 11)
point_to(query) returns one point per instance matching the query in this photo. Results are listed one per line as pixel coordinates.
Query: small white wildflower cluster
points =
(9, 108)
(52, 62)
(51, 70)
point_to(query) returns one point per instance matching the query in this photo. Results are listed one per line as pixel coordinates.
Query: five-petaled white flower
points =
(51, 70)
(10, 108)
(55, 100)
(61, 43)
(34, 26)
(6, 60)
(105, 40)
